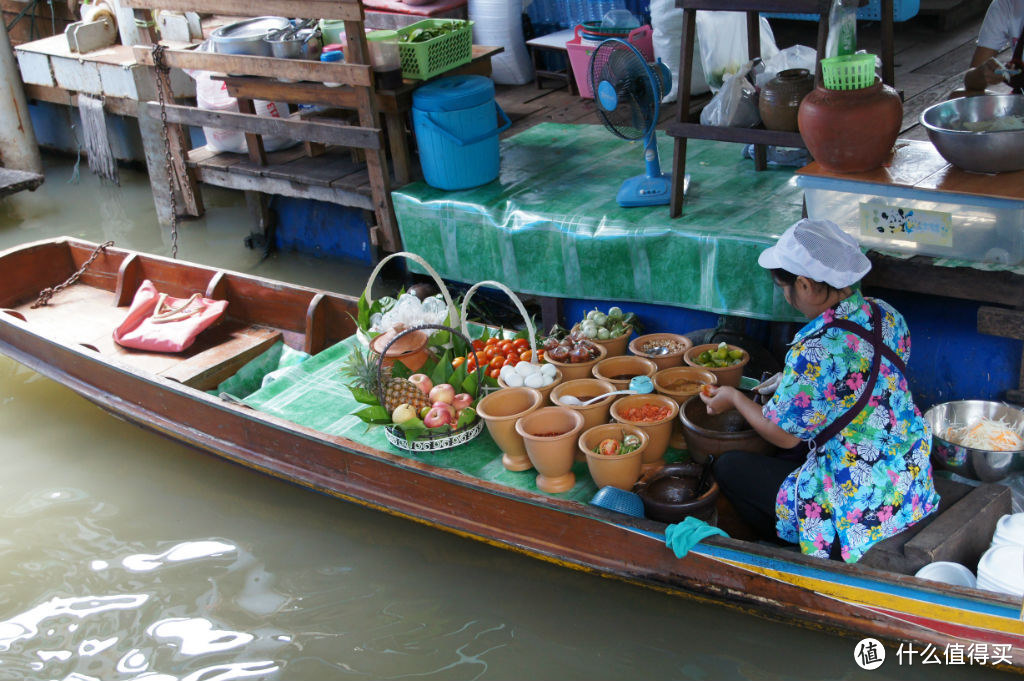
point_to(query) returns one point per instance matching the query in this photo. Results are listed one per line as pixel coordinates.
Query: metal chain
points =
(51, 291)
(158, 62)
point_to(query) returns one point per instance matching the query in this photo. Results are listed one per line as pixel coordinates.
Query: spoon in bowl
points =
(573, 401)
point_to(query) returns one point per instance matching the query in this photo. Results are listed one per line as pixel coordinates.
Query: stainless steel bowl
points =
(977, 464)
(246, 37)
(982, 152)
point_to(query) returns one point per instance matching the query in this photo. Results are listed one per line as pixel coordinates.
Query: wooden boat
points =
(69, 340)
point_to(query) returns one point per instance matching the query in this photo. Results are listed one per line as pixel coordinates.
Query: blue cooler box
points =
(456, 126)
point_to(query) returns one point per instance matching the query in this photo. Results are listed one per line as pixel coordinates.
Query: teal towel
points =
(681, 537)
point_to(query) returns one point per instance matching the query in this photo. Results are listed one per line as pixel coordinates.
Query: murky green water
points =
(124, 555)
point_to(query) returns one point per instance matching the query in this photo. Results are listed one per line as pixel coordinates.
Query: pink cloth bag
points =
(160, 323)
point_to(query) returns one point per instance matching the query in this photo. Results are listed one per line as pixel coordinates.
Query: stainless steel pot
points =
(983, 152)
(247, 37)
(303, 45)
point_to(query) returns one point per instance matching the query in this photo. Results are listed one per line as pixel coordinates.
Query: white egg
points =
(514, 380)
(525, 369)
(505, 371)
(548, 380)
(549, 370)
(535, 380)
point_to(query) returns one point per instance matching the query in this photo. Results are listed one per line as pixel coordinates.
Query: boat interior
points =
(261, 312)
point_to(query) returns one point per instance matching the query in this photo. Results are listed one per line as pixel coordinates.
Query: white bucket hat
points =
(818, 250)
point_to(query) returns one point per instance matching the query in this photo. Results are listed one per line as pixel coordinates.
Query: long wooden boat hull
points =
(761, 579)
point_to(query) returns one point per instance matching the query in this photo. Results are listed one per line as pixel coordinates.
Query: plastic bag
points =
(735, 104)
(842, 28)
(794, 57)
(723, 44)
(212, 95)
(667, 23)
(159, 323)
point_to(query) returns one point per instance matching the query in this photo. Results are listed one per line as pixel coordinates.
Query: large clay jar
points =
(851, 131)
(780, 98)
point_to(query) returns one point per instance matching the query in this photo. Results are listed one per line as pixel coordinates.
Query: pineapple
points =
(363, 370)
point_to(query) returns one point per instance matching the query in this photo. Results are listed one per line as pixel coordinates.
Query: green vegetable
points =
(615, 314)
(602, 334)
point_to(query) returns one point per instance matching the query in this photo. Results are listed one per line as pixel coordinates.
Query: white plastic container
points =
(1002, 569)
(918, 221)
(948, 573)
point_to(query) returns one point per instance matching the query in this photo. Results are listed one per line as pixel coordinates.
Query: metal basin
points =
(982, 152)
(246, 37)
(977, 464)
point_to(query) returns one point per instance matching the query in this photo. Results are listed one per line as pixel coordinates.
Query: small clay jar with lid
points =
(780, 99)
(410, 349)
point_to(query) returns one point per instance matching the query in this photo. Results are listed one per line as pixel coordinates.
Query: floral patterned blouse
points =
(874, 479)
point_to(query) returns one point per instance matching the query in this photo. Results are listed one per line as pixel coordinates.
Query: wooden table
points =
(394, 105)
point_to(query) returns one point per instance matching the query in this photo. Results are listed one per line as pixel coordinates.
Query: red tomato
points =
(521, 344)
(457, 362)
(494, 373)
(485, 355)
(526, 356)
(497, 363)
(512, 361)
(507, 347)
(493, 340)
(478, 345)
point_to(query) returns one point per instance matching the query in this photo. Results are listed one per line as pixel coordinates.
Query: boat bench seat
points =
(86, 316)
(960, 531)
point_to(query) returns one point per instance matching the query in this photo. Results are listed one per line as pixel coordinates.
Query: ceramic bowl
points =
(681, 383)
(729, 375)
(500, 411)
(620, 370)
(572, 371)
(653, 341)
(714, 434)
(670, 494)
(621, 471)
(659, 432)
(550, 435)
(614, 346)
(546, 390)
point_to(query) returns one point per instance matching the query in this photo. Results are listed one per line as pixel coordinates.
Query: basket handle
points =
(453, 313)
(421, 327)
(519, 306)
(428, 119)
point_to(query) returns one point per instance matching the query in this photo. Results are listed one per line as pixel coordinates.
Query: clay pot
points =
(500, 410)
(659, 432)
(614, 346)
(664, 361)
(410, 349)
(572, 371)
(620, 470)
(667, 377)
(545, 391)
(729, 375)
(670, 494)
(623, 365)
(780, 99)
(595, 414)
(851, 131)
(714, 434)
(551, 455)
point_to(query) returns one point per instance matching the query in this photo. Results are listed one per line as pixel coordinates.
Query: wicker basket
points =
(428, 59)
(453, 312)
(431, 442)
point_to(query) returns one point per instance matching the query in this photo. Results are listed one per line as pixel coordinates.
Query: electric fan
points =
(628, 92)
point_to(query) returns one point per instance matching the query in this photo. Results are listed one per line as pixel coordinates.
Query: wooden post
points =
(191, 201)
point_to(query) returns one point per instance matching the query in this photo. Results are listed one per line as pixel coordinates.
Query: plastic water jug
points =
(456, 126)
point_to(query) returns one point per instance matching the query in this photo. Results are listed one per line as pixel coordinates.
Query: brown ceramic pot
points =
(620, 370)
(572, 371)
(614, 346)
(668, 359)
(714, 434)
(780, 99)
(500, 410)
(667, 494)
(583, 389)
(659, 432)
(691, 378)
(729, 375)
(550, 436)
(620, 470)
(851, 131)
(545, 391)
(410, 349)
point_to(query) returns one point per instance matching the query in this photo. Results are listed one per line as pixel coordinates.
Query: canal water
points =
(124, 555)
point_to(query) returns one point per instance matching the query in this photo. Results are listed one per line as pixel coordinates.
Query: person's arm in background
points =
(997, 31)
(724, 398)
(983, 69)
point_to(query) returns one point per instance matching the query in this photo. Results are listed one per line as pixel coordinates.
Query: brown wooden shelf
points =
(725, 134)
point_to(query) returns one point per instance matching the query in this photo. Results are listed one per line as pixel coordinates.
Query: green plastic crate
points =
(427, 59)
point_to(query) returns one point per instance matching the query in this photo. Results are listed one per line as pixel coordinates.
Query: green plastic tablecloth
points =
(550, 225)
(313, 394)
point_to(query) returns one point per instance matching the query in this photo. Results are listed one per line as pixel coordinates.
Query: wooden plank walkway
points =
(13, 181)
(930, 63)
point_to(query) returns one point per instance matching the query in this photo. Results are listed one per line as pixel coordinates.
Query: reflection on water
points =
(128, 556)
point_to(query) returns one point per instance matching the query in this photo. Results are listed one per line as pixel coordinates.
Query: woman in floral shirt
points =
(844, 395)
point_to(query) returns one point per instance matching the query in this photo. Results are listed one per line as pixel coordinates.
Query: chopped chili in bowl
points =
(648, 413)
(551, 434)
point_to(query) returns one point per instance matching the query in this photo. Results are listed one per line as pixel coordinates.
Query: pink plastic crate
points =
(579, 55)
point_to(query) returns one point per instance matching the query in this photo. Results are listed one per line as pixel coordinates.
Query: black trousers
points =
(751, 483)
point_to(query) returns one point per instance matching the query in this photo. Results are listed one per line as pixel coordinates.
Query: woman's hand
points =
(723, 398)
(718, 399)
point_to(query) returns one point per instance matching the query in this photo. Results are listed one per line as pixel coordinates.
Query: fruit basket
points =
(423, 412)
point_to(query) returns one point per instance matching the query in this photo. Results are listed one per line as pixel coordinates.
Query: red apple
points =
(443, 392)
(437, 417)
(423, 382)
(444, 406)
(461, 401)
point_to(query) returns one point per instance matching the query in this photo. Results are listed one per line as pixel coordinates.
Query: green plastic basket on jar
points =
(429, 58)
(848, 71)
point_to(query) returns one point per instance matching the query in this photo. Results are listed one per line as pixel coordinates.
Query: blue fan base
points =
(643, 190)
